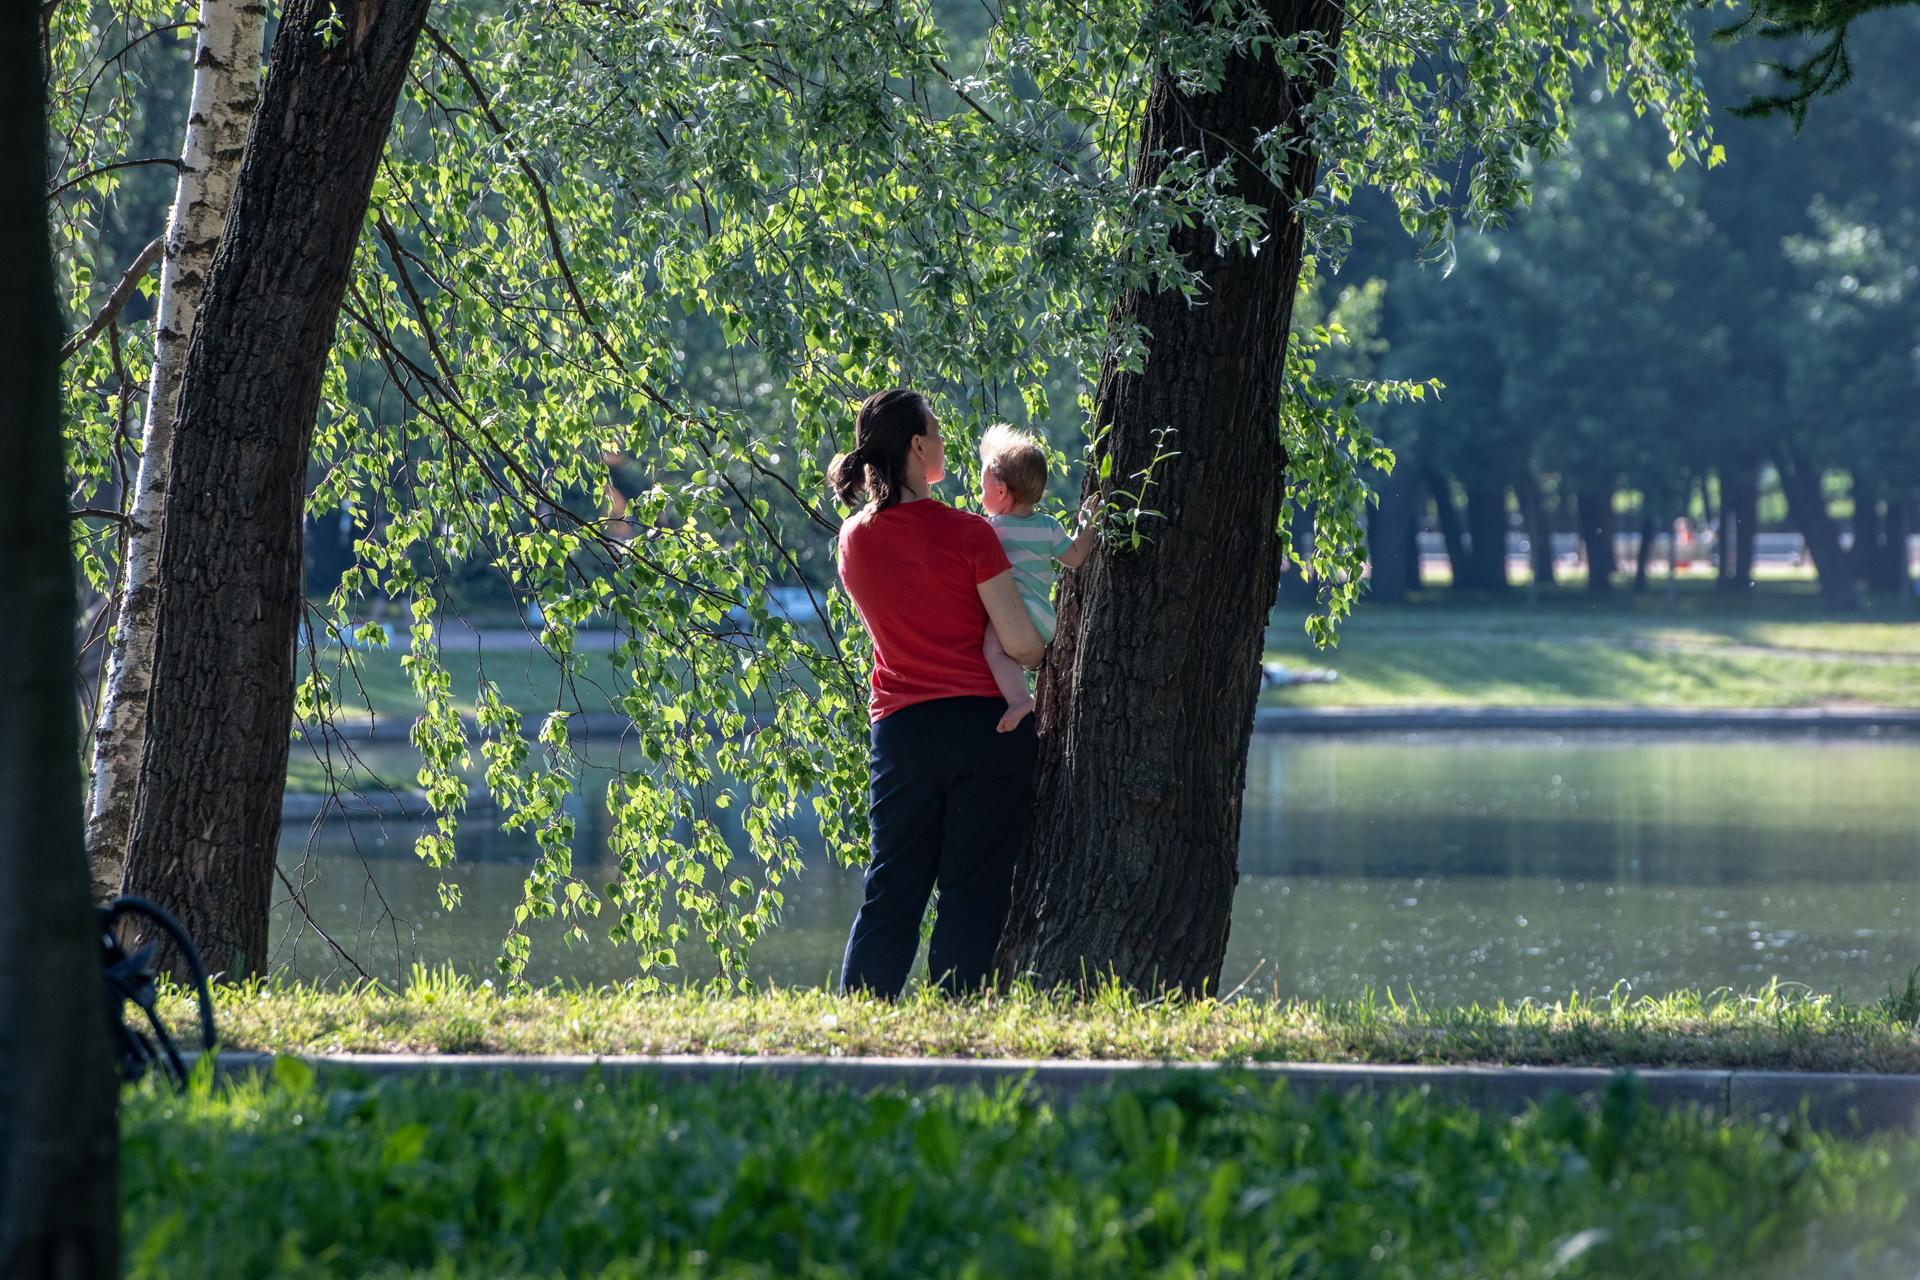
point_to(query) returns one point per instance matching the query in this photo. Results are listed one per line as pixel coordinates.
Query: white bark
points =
(226, 89)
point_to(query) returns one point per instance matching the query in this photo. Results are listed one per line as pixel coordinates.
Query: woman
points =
(948, 803)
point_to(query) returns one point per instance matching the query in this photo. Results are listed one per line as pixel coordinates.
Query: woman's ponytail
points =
(847, 477)
(883, 436)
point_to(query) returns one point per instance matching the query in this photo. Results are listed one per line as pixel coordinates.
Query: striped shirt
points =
(1034, 545)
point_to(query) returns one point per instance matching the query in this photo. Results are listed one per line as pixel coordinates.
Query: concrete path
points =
(607, 727)
(1837, 1102)
(1855, 720)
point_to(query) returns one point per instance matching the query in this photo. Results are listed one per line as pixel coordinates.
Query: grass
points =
(1217, 1177)
(439, 1012)
(1769, 649)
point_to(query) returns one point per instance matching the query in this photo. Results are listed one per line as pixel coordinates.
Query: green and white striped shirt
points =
(1034, 545)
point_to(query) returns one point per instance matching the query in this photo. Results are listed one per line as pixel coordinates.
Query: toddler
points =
(1013, 478)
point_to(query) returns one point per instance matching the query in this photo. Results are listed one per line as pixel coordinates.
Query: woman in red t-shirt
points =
(948, 803)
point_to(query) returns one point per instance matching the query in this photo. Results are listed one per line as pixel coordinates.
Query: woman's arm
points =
(1010, 621)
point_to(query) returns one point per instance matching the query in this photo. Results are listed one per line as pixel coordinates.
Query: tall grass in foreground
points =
(1214, 1177)
(1776, 1026)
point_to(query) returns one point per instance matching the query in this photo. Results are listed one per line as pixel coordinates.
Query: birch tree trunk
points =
(59, 1211)
(226, 89)
(207, 820)
(1146, 699)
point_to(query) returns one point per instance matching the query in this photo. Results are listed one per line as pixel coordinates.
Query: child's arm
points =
(1083, 538)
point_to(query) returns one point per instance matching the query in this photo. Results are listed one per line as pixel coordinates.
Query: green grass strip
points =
(1196, 1177)
(1776, 1027)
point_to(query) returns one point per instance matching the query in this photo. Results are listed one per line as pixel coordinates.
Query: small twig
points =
(98, 513)
(170, 161)
(122, 292)
(299, 900)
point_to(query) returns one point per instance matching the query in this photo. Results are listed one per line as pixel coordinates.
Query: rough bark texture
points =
(1146, 699)
(1807, 509)
(226, 89)
(208, 814)
(59, 1211)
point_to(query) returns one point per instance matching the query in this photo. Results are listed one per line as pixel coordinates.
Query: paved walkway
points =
(1690, 719)
(1839, 1102)
(608, 727)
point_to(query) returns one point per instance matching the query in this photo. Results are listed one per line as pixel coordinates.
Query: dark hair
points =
(883, 433)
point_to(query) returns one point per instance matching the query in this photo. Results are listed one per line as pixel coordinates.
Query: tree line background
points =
(1739, 346)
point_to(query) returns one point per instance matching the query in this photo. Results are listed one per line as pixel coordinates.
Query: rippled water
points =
(1454, 867)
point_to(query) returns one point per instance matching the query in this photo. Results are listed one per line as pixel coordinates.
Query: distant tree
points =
(59, 1205)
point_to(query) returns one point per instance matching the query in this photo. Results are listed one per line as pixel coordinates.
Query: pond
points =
(1457, 868)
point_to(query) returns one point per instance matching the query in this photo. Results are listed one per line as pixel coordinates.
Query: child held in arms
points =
(1013, 479)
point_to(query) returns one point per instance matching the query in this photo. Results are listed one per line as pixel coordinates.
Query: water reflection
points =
(1458, 868)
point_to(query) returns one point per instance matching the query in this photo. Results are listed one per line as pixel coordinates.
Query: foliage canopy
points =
(679, 240)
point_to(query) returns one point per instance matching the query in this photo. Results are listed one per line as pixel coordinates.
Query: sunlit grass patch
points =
(1777, 1026)
(1702, 651)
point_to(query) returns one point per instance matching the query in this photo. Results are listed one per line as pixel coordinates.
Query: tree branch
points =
(117, 299)
(170, 161)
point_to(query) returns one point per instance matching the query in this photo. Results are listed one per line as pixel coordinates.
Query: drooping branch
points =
(172, 162)
(118, 299)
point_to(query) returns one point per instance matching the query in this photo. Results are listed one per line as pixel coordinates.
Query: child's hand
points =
(1089, 509)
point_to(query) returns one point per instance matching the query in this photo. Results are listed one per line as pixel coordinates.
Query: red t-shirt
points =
(914, 572)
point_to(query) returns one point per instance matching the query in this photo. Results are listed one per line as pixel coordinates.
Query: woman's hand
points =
(1010, 621)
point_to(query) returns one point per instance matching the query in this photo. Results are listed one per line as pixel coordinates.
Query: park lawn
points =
(440, 1012)
(1772, 649)
(633, 1177)
(373, 682)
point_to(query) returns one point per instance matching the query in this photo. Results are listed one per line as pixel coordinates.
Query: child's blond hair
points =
(1016, 460)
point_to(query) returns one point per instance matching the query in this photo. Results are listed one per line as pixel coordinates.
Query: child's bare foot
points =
(1016, 712)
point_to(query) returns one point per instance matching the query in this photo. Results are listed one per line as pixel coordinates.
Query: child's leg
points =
(1012, 679)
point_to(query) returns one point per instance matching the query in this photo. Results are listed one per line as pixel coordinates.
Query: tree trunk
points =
(1533, 510)
(1487, 533)
(59, 1190)
(1899, 526)
(1879, 535)
(1594, 508)
(226, 88)
(1643, 553)
(1739, 515)
(1807, 509)
(1147, 696)
(1392, 548)
(1452, 531)
(207, 820)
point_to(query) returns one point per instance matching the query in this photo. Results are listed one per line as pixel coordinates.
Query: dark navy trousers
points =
(948, 807)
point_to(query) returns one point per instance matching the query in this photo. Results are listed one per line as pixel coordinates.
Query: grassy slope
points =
(1772, 1028)
(1770, 649)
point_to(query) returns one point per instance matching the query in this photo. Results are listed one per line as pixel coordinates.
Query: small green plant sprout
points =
(1120, 517)
(332, 28)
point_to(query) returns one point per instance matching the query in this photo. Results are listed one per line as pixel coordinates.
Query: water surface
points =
(1455, 867)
